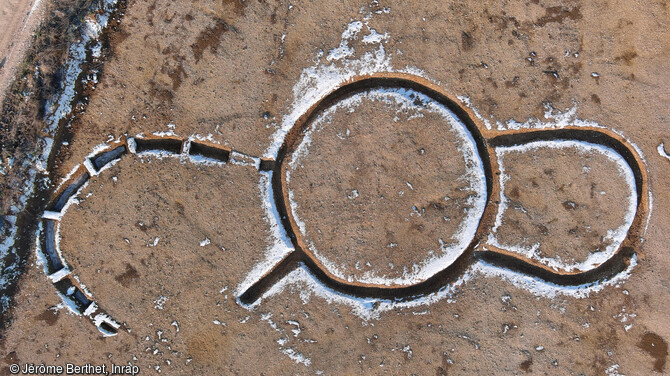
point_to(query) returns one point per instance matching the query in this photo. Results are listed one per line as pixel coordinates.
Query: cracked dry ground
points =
(229, 69)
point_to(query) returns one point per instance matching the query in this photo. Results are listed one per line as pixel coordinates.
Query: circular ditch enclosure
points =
(385, 184)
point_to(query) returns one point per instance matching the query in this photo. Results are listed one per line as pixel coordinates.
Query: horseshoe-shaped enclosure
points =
(485, 142)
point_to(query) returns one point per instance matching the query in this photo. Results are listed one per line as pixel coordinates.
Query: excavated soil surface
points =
(165, 242)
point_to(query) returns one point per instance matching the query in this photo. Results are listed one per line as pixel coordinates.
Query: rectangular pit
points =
(54, 262)
(210, 152)
(68, 192)
(77, 296)
(267, 164)
(102, 159)
(170, 145)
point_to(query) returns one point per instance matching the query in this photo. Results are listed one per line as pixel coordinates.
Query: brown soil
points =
(163, 244)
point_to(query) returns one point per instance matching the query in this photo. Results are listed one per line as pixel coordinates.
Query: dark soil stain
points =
(239, 5)
(178, 74)
(467, 41)
(163, 94)
(514, 193)
(595, 98)
(513, 83)
(656, 347)
(558, 14)
(576, 67)
(119, 36)
(179, 207)
(209, 38)
(48, 316)
(10, 358)
(525, 365)
(128, 276)
(627, 57)
(150, 13)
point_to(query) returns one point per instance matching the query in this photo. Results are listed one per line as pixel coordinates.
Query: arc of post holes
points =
(70, 290)
(486, 141)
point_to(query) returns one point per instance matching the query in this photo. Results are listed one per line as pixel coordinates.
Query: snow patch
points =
(279, 243)
(662, 152)
(340, 65)
(365, 308)
(550, 290)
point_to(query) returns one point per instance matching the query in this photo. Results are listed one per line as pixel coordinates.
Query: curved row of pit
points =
(72, 292)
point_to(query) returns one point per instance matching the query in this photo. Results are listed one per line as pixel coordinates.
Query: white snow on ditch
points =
(405, 101)
(614, 236)
(336, 67)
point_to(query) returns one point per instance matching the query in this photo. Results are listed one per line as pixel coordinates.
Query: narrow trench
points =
(66, 287)
(474, 252)
(608, 269)
(594, 136)
(301, 258)
(267, 164)
(107, 329)
(54, 262)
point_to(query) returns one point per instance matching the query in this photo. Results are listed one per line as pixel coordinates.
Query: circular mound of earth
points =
(386, 186)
